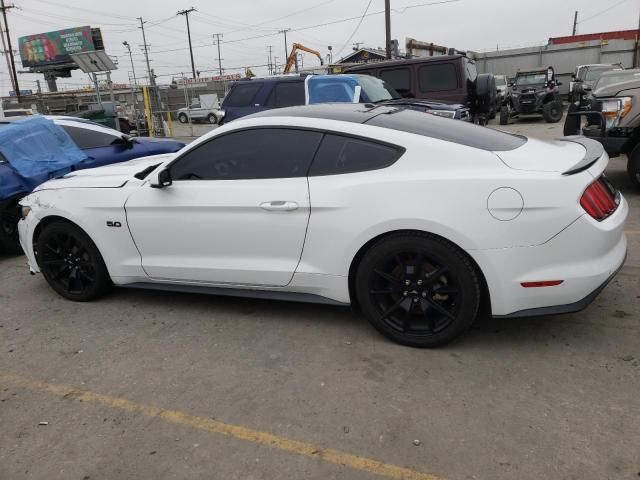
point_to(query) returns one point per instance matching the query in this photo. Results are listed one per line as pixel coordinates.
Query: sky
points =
(249, 27)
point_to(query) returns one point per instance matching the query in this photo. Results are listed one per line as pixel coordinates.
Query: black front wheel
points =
(552, 112)
(71, 263)
(182, 118)
(9, 218)
(418, 289)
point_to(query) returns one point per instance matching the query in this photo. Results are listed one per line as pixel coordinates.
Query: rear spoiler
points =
(595, 150)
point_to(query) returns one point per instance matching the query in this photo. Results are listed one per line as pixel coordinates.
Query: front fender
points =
(91, 209)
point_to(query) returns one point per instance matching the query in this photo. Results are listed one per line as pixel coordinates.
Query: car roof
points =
(282, 78)
(405, 61)
(404, 120)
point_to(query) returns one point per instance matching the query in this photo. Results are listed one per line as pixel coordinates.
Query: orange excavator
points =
(291, 61)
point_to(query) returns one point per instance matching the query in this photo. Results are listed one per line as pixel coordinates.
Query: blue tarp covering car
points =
(35, 149)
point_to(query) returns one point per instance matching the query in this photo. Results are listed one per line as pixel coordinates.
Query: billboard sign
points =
(54, 48)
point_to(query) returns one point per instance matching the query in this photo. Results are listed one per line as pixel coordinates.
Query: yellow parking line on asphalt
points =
(207, 424)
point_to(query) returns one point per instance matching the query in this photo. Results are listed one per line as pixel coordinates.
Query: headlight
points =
(443, 113)
(615, 109)
(25, 212)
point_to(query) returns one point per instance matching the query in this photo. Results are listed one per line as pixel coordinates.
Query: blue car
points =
(84, 145)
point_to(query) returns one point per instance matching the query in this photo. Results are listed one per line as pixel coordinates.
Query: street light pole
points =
(286, 47)
(135, 86)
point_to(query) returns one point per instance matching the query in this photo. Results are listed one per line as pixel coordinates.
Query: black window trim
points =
(400, 151)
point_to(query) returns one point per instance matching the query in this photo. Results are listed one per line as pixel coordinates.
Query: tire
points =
(212, 119)
(418, 289)
(71, 263)
(182, 118)
(505, 113)
(552, 111)
(633, 166)
(9, 242)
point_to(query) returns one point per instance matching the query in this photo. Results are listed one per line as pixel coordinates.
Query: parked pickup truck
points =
(612, 118)
(202, 109)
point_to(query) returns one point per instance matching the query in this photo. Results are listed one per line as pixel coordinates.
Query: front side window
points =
(438, 77)
(86, 138)
(338, 154)
(287, 94)
(250, 154)
(242, 95)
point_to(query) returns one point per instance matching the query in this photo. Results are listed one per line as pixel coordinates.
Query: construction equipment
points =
(293, 56)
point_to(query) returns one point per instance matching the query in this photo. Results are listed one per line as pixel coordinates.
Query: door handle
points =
(279, 206)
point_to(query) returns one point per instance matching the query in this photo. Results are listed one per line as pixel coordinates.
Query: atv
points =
(534, 92)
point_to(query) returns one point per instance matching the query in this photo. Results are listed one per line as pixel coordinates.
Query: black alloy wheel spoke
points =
(431, 325)
(445, 291)
(436, 274)
(387, 276)
(439, 308)
(392, 308)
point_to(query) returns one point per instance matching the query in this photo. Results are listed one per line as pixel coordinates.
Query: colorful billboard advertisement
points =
(54, 48)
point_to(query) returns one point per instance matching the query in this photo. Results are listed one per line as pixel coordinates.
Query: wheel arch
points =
(485, 301)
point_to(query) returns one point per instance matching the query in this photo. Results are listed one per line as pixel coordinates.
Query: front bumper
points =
(585, 256)
(26, 229)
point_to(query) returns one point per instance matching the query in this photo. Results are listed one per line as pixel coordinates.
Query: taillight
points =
(600, 199)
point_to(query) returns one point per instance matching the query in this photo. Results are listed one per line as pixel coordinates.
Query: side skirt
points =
(237, 292)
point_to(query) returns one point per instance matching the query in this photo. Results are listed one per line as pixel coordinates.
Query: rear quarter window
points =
(340, 154)
(242, 94)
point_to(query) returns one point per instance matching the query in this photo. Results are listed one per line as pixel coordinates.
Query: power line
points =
(602, 11)
(355, 29)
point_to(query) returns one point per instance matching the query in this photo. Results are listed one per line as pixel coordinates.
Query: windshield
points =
(531, 78)
(594, 73)
(501, 80)
(623, 76)
(377, 90)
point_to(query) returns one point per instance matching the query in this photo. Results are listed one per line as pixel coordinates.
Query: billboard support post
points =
(97, 87)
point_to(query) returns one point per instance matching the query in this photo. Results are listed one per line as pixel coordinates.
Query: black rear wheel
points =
(418, 289)
(71, 263)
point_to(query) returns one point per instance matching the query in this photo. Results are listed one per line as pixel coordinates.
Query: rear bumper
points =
(585, 256)
(567, 308)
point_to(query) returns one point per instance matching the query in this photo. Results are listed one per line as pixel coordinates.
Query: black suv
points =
(255, 95)
(446, 78)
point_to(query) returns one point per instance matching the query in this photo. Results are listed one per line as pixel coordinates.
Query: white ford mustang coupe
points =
(415, 220)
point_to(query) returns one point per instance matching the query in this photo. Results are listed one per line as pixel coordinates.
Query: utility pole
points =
(286, 47)
(275, 65)
(7, 56)
(636, 53)
(135, 84)
(575, 23)
(186, 15)
(13, 62)
(218, 36)
(387, 24)
(270, 60)
(152, 79)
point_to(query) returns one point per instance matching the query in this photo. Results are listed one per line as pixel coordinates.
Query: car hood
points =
(550, 156)
(616, 88)
(110, 176)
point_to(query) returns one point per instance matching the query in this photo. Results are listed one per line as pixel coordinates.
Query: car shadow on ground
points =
(346, 322)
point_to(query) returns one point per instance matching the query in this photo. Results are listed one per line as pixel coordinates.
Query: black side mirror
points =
(511, 84)
(127, 141)
(559, 83)
(162, 180)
